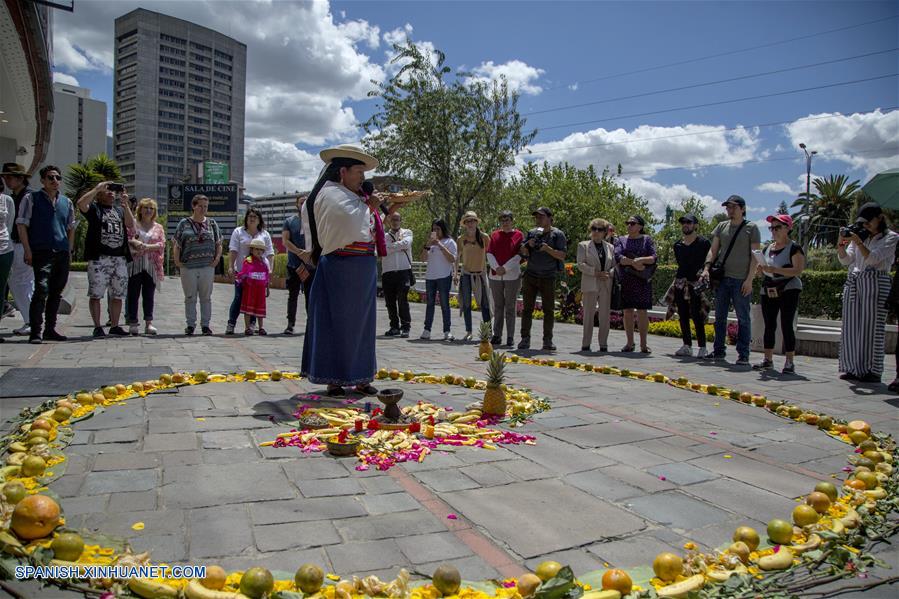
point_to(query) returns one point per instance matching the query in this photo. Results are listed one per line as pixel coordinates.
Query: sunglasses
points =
(598, 229)
(632, 223)
(775, 227)
(54, 178)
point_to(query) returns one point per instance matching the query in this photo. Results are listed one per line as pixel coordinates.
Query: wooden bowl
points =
(336, 448)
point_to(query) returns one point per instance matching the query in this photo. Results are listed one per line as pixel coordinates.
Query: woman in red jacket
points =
(505, 276)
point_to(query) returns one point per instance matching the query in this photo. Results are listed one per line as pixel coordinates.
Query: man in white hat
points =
(339, 345)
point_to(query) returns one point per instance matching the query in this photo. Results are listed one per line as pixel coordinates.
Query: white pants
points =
(21, 281)
(197, 284)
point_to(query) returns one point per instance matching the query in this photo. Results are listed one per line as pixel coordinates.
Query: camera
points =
(116, 187)
(855, 228)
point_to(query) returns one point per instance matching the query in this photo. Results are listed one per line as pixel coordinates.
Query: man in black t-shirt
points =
(690, 252)
(544, 249)
(106, 250)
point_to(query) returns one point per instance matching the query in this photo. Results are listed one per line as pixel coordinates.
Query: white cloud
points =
(867, 141)
(64, 78)
(358, 31)
(520, 75)
(777, 187)
(659, 196)
(274, 166)
(645, 150)
(398, 35)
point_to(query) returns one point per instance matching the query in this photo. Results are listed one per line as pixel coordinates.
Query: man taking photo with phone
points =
(108, 213)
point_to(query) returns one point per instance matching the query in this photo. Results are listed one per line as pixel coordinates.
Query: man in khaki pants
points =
(595, 260)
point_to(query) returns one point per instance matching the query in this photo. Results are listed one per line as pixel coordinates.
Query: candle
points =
(415, 427)
(367, 407)
(429, 432)
(373, 425)
(359, 425)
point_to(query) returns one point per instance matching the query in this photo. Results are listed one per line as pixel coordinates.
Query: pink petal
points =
(452, 517)
(662, 478)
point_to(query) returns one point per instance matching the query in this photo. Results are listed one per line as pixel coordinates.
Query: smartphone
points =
(117, 187)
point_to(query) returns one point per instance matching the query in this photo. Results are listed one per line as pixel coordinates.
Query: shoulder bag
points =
(716, 273)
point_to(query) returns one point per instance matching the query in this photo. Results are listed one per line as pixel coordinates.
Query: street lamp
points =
(808, 180)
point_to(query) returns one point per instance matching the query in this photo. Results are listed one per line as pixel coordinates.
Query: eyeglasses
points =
(631, 223)
(598, 229)
(53, 178)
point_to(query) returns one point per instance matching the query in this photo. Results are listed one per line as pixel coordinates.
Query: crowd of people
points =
(343, 228)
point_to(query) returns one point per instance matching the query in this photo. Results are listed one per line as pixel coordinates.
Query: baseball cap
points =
(734, 199)
(868, 211)
(544, 211)
(784, 218)
(690, 218)
(505, 214)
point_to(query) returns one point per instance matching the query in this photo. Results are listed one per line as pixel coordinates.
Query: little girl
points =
(254, 276)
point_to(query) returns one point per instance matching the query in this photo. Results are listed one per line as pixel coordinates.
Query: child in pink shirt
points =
(254, 276)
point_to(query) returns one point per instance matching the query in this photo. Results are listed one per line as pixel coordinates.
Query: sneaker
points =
(134, 330)
(99, 332)
(207, 331)
(467, 336)
(525, 343)
(765, 364)
(425, 334)
(109, 322)
(848, 376)
(713, 357)
(447, 336)
(495, 340)
(52, 335)
(150, 330)
(392, 332)
(34, 340)
(404, 333)
(229, 330)
(789, 368)
(23, 330)
(685, 351)
(702, 353)
(743, 361)
(118, 331)
(287, 331)
(549, 347)
(869, 378)
(510, 342)
(189, 331)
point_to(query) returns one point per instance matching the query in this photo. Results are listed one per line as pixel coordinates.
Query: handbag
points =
(716, 272)
(648, 270)
(615, 303)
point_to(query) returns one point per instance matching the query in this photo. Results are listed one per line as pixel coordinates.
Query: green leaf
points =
(557, 587)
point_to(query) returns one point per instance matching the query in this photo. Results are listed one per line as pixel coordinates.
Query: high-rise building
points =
(180, 92)
(79, 126)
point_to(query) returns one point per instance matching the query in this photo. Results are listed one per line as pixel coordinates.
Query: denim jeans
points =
(729, 291)
(234, 310)
(432, 288)
(465, 290)
(51, 273)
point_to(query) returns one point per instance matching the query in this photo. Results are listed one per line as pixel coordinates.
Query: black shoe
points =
(288, 330)
(207, 331)
(189, 331)
(525, 343)
(510, 342)
(52, 335)
(870, 378)
(549, 347)
(335, 391)
(742, 361)
(34, 340)
(262, 332)
(713, 357)
(789, 368)
(366, 389)
(99, 332)
(404, 333)
(765, 364)
(894, 386)
(495, 340)
(586, 348)
(248, 332)
(118, 331)
(392, 332)
(603, 348)
(848, 376)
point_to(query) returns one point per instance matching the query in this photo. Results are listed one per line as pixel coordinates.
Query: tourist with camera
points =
(781, 264)
(868, 248)
(544, 249)
(440, 253)
(732, 273)
(108, 213)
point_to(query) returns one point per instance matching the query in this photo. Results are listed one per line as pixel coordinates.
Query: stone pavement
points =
(622, 469)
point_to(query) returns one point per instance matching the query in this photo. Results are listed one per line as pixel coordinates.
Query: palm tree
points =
(828, 208)
(81, 178)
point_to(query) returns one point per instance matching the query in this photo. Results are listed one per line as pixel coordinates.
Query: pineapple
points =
(494, 396)
(484, 333)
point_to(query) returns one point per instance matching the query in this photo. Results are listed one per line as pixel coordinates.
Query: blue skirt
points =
(339, 346)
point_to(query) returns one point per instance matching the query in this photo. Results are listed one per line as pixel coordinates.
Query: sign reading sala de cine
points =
(222, 197)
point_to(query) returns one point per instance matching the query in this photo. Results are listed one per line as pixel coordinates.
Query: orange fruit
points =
(62, 414)
(617, 580)
(855, 484)
(548, 569)
(110, 392)
(859, 425)
(667, 566)
(747, 535)
(446, 579)
(256, 583)
(42, 423)
(215, 578)
(35, 517)
(805, 515)
(780, 532)
(68, 546)
(528, 584)
(14, 492)
(869, 479)
(828, 489)
(819, 501)
(394, 374)
(309, 578)
(857, 437)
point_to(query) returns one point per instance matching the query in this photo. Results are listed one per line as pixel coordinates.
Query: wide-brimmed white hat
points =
(350, 151)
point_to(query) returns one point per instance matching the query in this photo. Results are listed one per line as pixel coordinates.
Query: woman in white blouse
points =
(869, 258)
(440, 252)
(7, 216)
(238, 250)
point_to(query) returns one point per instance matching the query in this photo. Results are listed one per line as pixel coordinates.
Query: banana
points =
(781, 560)
(718, 574)
(18, 447)
(813, 542)
(838, 527)
(466, 419)
(881, 477)
(7, 471)
(195, 590)
(150, 589)
(878, 493)
(610, 594)
(851, 519)
(682, 588)
(16, 459)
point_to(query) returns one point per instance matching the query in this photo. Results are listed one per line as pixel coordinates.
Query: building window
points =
(173, 40)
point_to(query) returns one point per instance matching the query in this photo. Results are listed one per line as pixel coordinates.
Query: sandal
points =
(627, 348)
(645, 350)
(366, 389)
(248, 332)
(262, 331)
(335, 391)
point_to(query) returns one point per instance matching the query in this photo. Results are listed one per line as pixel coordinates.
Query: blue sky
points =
(309, 66)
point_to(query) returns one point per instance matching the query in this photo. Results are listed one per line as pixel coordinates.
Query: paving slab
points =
(389, 503)
(674, 509)
(606, 433)
(306, 510)
(631, 552)
(682, 474)
(389, 526)
(295, 535)
(219, 531)
(205, 485)
(115, 481)
(773, 478)
(365, 555)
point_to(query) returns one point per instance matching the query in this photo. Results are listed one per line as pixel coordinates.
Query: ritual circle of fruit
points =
(828, 536)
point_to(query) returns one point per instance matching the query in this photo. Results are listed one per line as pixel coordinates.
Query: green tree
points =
(81, 178)
(783, 209)
(452, 133)
(668, 235)
(576, 196)
(828, 208)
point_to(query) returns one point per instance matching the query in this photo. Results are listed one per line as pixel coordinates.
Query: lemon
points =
(68, 546)
(780, 532)
(309, 578)
(548, 569)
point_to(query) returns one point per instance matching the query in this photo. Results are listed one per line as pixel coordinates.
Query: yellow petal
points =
(137, 526)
